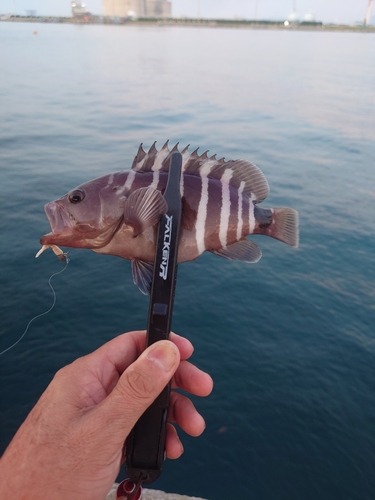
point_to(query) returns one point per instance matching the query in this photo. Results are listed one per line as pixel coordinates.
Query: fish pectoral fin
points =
(244, 250)
(143, 209)
(142, 275)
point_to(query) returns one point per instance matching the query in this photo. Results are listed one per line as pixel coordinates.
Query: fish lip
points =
(60, 220)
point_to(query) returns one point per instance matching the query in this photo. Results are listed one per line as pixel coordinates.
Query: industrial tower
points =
(368, 12)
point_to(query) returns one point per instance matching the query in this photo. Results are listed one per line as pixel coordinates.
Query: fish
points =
(118, 213)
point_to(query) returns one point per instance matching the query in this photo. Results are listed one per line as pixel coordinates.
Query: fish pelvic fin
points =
(280, 223)
(143, 209)
(142, 275)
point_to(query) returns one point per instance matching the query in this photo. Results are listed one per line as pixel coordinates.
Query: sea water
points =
(290, 341)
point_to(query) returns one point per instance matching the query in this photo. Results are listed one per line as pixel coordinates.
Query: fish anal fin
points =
(142, 275)
(143, 209)
(244, 250)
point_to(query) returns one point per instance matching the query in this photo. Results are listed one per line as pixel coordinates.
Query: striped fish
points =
(118, 213)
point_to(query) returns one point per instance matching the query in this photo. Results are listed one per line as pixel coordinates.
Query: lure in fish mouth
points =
(117, 214)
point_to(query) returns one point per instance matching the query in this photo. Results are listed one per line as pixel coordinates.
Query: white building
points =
(137, 8)
(293, 17)
(309, 17)
(78, 9)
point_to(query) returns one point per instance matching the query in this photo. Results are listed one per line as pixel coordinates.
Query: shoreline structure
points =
(186, 22)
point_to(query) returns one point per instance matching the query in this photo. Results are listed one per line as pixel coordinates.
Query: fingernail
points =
(164, 354)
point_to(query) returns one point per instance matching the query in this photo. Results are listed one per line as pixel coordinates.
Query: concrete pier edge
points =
(148, 494)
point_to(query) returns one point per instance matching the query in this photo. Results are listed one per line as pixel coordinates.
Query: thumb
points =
(141, 383)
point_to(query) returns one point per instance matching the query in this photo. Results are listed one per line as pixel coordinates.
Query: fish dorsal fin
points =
(153, 160)
(143, 209)
(245, 174)
(256, 185)
(142, 275)
(145, 161)
(244, 250)
(139, 157)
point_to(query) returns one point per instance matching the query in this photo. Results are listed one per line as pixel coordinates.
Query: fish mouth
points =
(61, 224)
(67, 231)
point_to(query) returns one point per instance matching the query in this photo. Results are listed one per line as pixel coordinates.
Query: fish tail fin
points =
(280, 223)
(285, 226)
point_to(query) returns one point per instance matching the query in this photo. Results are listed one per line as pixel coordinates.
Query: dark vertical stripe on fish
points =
(233, 224)
(213, 217)
(225, 206)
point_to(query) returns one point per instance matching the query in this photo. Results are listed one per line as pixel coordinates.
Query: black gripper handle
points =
(145, 446)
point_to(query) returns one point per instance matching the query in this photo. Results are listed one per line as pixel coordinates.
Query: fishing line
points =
(42, 314)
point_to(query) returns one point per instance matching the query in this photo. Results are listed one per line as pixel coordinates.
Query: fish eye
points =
(76, 196)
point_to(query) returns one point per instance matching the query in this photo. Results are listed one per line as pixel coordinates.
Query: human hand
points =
(71, 443)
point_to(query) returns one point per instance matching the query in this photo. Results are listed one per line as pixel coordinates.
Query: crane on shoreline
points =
(368, 12)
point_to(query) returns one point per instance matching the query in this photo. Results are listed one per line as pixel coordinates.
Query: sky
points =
(327, 11)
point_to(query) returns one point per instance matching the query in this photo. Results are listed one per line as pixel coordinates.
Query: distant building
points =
(157, 8)
(137, 8)
(309, 17)
(293, 17)
(78, 9)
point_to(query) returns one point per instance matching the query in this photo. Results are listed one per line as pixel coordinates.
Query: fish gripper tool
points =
(145, 445)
